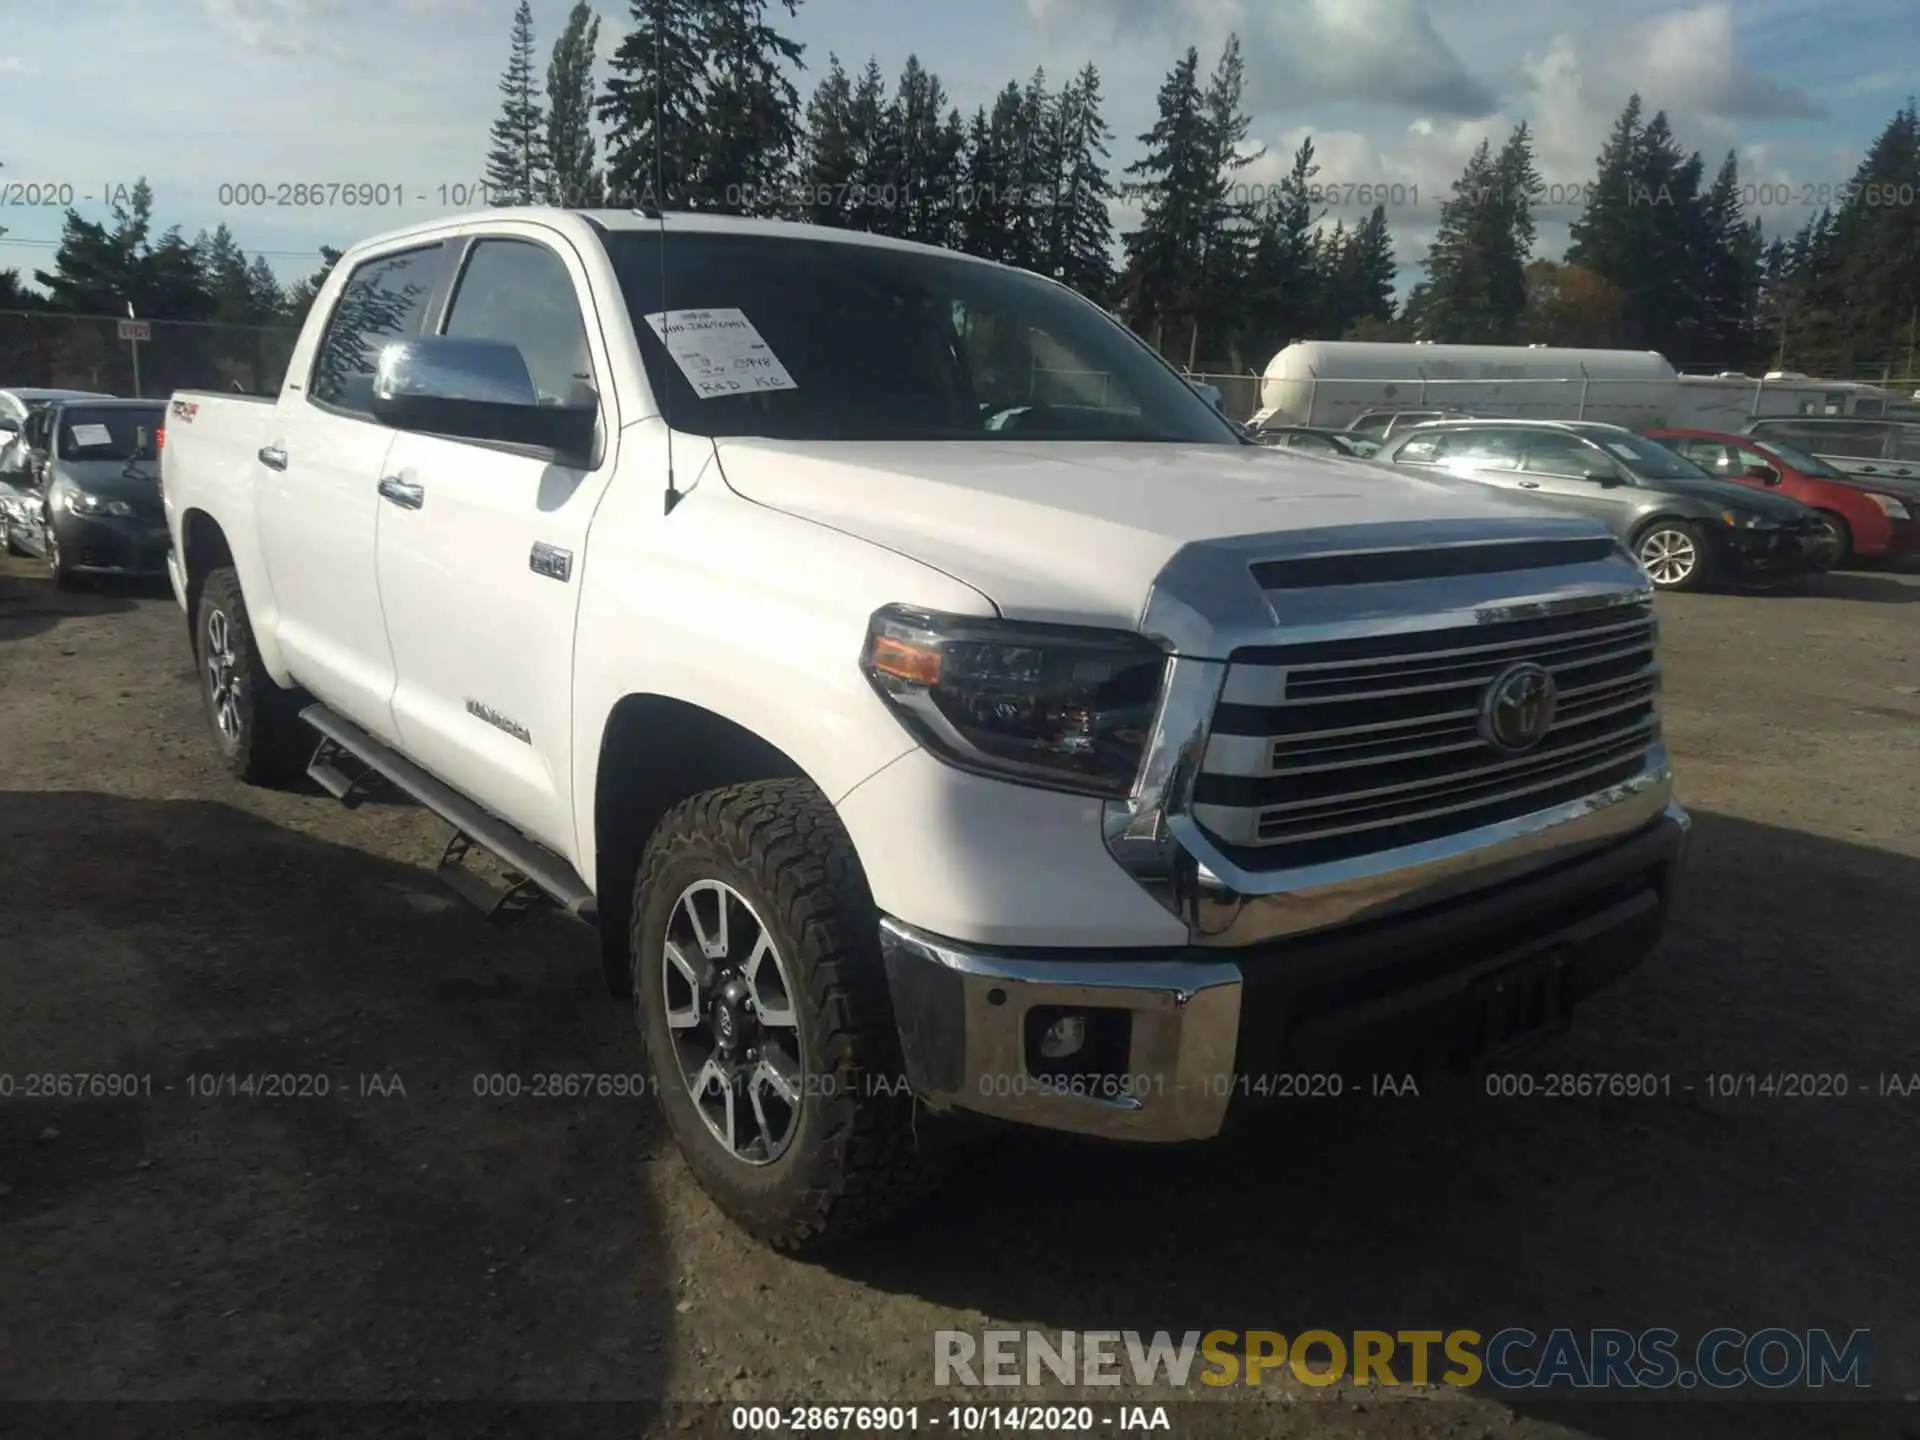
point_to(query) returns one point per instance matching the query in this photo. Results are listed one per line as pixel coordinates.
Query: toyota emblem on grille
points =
(1517, 709)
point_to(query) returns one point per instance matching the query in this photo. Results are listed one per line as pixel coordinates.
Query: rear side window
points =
(384, 300)
(1557, 453)
(1906, 444)
(1481, 449)
(1420, 450)
(1712, 457)
(520, 293)
(1858, 442)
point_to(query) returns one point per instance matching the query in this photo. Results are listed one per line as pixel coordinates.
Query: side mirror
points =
(475, 390)
(1765, 474)
(1602, 475)
(1211, 394)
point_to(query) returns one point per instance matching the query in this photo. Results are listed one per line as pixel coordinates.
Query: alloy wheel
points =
(1669, 556)
(223, 676)
(729, 1004)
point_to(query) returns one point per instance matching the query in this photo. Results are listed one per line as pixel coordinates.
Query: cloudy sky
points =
(196, 94)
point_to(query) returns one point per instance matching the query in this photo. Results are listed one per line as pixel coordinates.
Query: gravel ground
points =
(401, 1237)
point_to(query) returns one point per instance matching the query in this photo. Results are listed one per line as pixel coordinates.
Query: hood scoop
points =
(1375, 567)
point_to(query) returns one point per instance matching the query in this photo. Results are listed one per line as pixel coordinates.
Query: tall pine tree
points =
(655, 104)
(1083, 229)
(1475, 290)
(572, 181)
(750, 133)
(517, 164)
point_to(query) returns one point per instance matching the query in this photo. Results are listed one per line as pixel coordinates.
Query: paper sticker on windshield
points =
(86, 436)
(1625, 452)
(719, 352)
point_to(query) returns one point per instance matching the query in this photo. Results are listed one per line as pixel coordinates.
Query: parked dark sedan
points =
(85, 496)
(1686, 528)
(1311, 439)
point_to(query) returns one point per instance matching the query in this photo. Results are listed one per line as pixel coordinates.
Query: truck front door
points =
(479, 578)
(317, 496)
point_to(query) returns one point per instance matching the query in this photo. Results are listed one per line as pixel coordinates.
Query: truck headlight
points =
(1060, 706)
(80, 502)
(1749, 520)
(1895, 510)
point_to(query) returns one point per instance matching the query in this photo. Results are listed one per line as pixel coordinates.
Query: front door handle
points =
(1529, 484)
(273, 457)
(400, 492)
(1869, 469)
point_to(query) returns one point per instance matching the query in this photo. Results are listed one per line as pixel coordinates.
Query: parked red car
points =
(1866, 524)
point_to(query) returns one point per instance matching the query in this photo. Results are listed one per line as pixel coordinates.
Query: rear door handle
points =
(1529, 484)
(1869, 469)
(273, 457)
(400, 492)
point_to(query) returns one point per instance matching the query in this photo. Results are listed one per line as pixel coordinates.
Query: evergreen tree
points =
(983, 228)
(913, 155)
(1082, 242)
(1876, 234)
(750, 132)
(1647, 232)
(571, 178)
(832, 157)
(872, 200)
(1176, 185)
(1729, 265)
(1475, 291)
(1226, 237)
(300, 295)
(654, 103)
(94, 267)
(517, 164)
(1283, 296)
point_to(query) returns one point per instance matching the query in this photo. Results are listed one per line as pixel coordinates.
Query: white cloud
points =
(14, 65)
(1299, 51)
(1880, 81)
(1689, 59)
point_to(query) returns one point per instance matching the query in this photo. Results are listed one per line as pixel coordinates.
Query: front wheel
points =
(57, 568)
(1674, 555)
(255, 723)
(1840, 539)
(762, 1002)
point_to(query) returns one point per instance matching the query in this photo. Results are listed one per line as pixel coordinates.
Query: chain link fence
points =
(85, 352)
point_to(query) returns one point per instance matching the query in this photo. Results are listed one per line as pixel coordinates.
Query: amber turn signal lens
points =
(903, 661)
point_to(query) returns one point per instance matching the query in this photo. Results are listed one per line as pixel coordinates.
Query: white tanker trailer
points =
(1333, 382)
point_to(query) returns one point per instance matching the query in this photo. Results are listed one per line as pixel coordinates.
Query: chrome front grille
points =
(1325, 750)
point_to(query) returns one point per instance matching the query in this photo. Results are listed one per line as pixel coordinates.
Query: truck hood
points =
(1076, 532)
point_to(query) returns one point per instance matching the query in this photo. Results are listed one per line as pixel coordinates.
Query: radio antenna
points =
(660, 215)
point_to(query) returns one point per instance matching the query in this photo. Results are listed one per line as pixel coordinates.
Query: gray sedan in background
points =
(1687, 528)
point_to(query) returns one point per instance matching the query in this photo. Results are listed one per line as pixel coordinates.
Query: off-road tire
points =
(860, 1156)
(272, 747)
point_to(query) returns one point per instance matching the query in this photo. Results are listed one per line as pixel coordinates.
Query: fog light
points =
(1064, 1037)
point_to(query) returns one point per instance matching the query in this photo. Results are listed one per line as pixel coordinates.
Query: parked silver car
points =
(1687, 528)
(1883, 453)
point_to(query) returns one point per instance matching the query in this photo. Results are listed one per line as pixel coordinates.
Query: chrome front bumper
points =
(1198, 1020)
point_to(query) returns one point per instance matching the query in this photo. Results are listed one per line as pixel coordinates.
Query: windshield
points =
(1647, 458)
(124, 432)
(824, 340)
(1799, 460)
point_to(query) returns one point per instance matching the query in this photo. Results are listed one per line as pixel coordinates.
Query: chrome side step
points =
(533, 871)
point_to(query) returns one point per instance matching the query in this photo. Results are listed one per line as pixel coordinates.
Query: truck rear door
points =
(318, 495)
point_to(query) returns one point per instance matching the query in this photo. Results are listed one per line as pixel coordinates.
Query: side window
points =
(1857, 442)
(1713, 457)
(1420, 450)
(1906, 444)
(1745, 460)
(1481, 449)
(1801, 437)
(384, 300)
(1557, 453)
(520, 293)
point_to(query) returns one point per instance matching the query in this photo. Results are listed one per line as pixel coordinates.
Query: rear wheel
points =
(255, 723)
(762, 1001)
(1674, 555)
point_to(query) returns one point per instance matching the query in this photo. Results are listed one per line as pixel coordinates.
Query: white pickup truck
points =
(936, 704)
